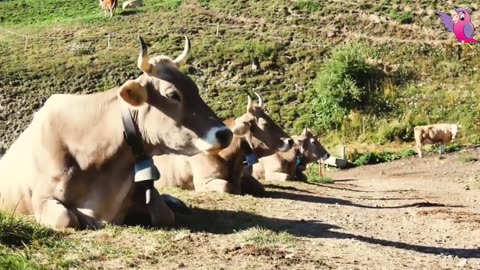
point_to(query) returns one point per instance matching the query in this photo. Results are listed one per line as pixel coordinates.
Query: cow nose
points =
(326, 156)
(290, 142)
(224, 137)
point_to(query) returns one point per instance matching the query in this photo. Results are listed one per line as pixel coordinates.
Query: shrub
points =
(346, 83)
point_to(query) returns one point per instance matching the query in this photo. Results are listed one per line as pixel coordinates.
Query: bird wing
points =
(469, 30)
(446, 20)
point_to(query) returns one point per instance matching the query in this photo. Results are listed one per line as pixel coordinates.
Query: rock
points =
(466, 187)
(462, 263)
(181, 236)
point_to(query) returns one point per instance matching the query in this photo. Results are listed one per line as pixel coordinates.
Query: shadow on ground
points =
(227, 222)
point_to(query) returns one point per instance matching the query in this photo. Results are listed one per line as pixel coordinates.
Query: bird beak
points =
(455, 18)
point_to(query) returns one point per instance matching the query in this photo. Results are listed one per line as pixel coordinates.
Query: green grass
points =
(380, 157)
(467, 158)
(22, 240)
(264, 237)
(346, 92)
(314, 178)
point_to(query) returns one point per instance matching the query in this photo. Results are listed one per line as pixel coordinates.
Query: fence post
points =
(218, 28)
(26, 43)
(108, 41)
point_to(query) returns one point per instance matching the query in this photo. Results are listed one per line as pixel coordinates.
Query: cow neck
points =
(132, 134)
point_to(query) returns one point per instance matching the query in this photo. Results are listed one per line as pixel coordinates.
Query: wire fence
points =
(245, 27)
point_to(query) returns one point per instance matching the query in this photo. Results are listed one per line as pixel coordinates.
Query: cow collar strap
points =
(145, 170)
(298, 158)
(250, 158)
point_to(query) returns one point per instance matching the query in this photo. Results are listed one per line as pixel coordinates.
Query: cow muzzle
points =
(216, 138)
(287, 145)
(324, 157)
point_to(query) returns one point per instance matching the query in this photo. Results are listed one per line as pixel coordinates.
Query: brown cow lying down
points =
(309, 150)
(72, 167)
(435, 134)
(288, 166)
(222, 172)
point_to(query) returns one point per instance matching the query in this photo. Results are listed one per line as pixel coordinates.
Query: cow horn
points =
(182, 58)
(304, 132)
(249, 104)
(260, 100)
(142, 62)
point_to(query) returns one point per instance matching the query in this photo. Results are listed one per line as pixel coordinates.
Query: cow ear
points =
(240, 128)
(133, 93)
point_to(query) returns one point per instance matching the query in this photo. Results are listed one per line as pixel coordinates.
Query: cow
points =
(435, 134)
(75, 164)
(109, 6)
(223, 172)
(132, 4)
(288, 166)
(309, 150)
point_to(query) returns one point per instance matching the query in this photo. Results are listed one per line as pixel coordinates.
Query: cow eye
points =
(173, 95)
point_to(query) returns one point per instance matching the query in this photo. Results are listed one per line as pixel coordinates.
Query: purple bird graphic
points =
(463, 28)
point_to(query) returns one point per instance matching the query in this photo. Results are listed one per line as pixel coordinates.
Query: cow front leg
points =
(217, 185)
(160, 214)
(277, 176)
(252, 186)
(442, 148)
(52, 213)
(419, 150)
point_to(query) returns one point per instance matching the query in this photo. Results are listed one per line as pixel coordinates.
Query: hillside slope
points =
(273, 47)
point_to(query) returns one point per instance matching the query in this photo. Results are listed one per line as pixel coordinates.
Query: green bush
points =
(313, 177)
(346, 83)
(374, 158)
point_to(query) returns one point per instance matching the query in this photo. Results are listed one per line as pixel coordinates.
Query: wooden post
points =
(351, 159)
(342, 151)
(218, 28)
(26, 43)
(108, 42)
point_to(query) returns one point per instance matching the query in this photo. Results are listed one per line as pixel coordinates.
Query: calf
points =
(435, 134)
(76, 164)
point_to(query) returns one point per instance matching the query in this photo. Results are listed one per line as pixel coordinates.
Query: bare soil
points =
(408, 214)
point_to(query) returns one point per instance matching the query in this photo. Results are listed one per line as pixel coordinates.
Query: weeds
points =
(380, 157)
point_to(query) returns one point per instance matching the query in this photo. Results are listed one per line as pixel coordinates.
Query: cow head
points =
(455, 129)
(310, 148)
(167, 107)
(263, 135)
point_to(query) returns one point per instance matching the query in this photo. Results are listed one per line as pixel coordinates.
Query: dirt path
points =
(408, 214)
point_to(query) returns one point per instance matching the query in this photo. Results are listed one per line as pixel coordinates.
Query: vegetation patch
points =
(380, 157)
(264, 237)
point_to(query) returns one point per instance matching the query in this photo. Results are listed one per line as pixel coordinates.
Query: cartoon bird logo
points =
(463, 28)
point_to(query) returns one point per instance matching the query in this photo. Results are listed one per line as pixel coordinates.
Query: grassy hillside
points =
(357, 72)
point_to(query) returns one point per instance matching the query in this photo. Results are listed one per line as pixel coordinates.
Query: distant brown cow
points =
(222, 172)
(435, 134)
(109, 6)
